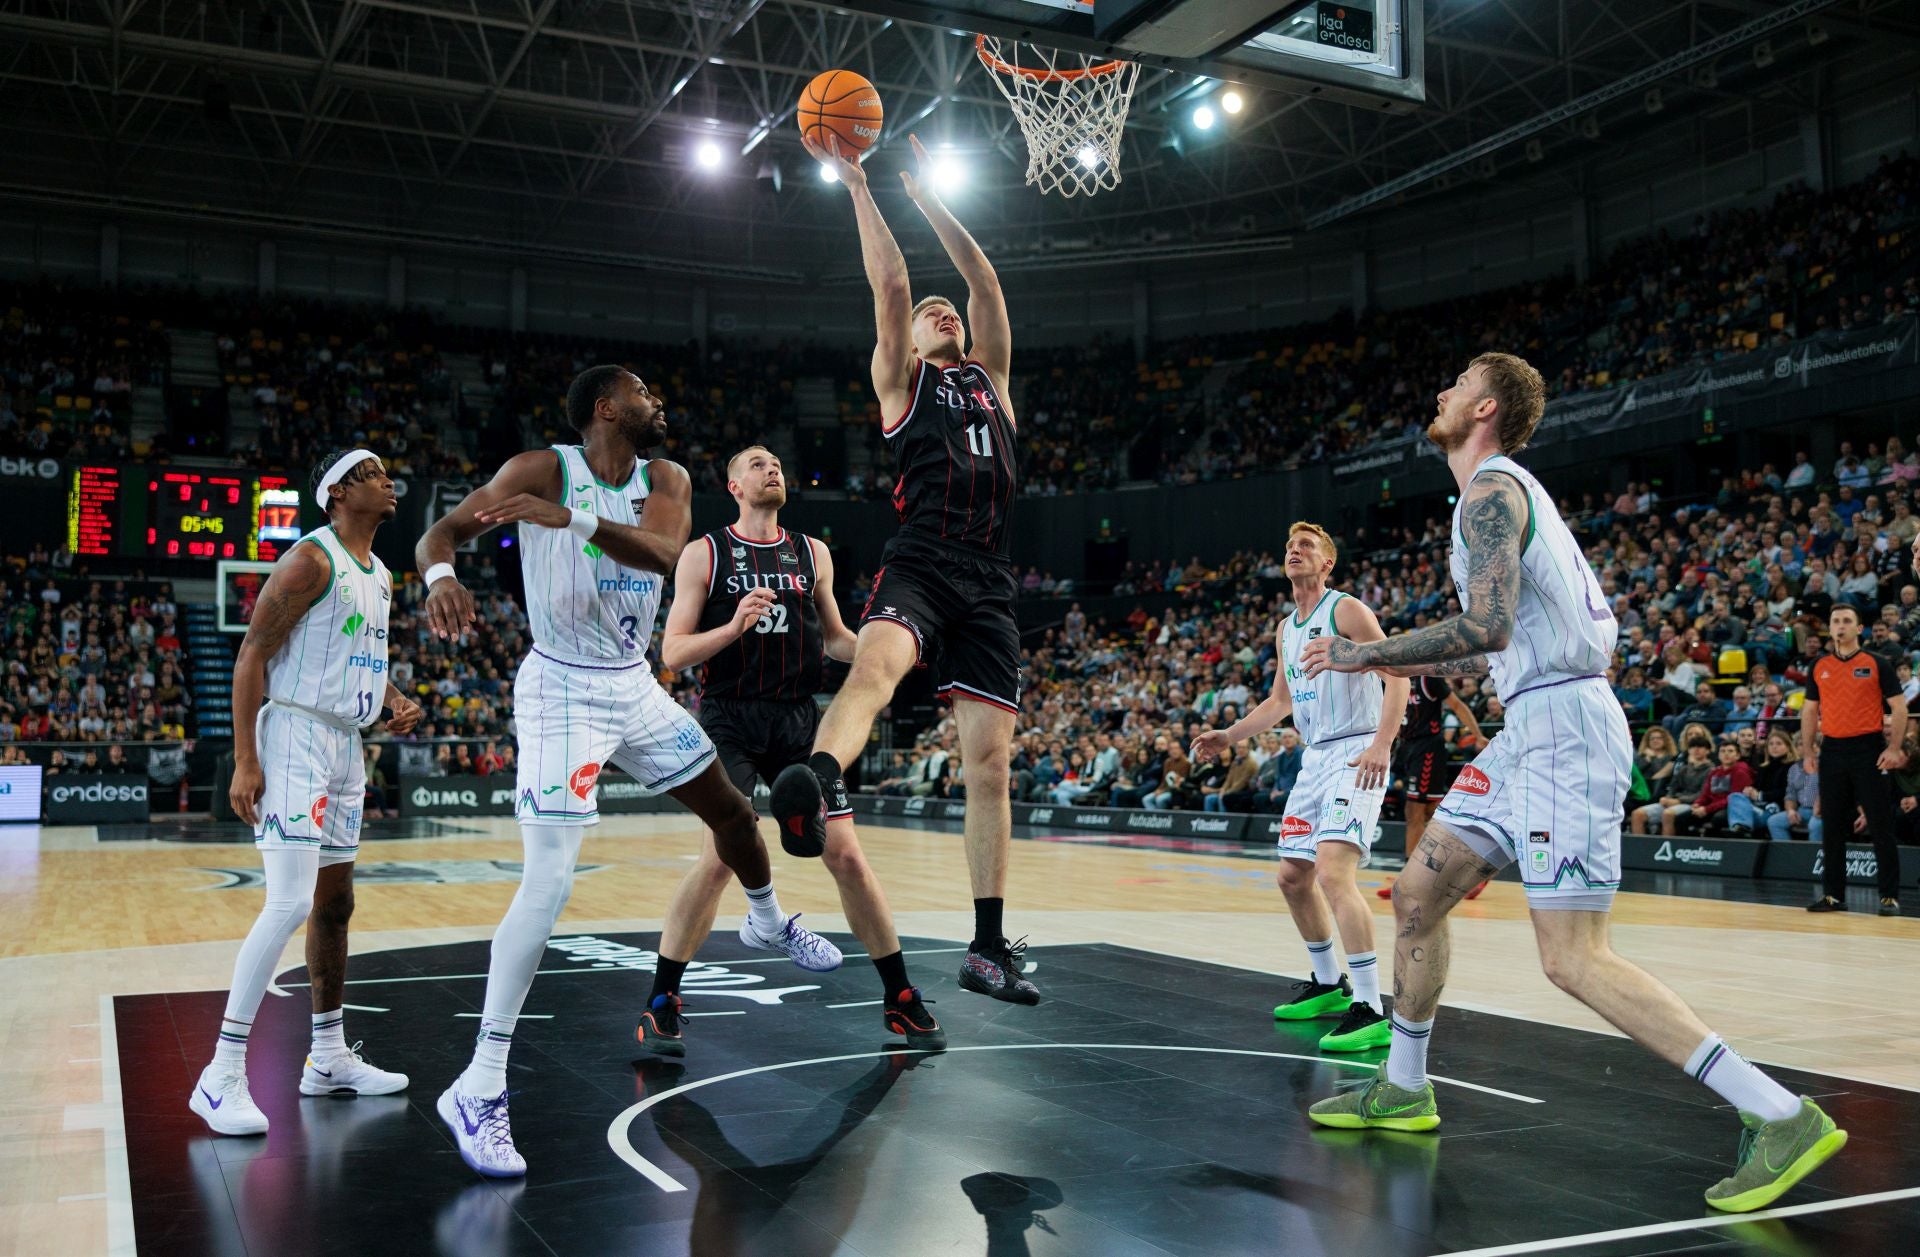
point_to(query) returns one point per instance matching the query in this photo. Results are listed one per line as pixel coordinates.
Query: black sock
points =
(986, 922)
(824, 766)
(893, 974)
(666, 978)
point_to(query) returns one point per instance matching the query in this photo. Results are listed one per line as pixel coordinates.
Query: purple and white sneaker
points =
(222, 1100)
(801, 945)
(481, 1132)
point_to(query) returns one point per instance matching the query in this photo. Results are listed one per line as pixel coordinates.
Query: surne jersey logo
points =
(581, 782)
(959, 397)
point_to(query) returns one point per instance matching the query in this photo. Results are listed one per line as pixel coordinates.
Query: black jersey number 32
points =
(774, 621)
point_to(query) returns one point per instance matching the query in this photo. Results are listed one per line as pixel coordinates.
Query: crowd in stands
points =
(320, 378)
(91, 661)
(69, 361)
(1738, 281)
(1723, 607)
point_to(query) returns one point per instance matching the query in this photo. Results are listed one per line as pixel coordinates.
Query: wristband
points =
(436, 572)
(583, 524)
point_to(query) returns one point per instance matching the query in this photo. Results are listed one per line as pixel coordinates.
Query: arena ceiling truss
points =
(566, 127)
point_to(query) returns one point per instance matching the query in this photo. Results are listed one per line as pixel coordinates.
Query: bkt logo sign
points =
(98, 793)
(34, 468)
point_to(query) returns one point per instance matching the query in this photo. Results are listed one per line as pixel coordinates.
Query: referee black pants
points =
(1850, 783)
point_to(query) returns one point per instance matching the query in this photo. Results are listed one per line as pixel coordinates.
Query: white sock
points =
(763, 909)
(1739, 1083)
(486, 1074)
(290, 876)
(1364, 968)
(1407, 1056)
(232, 1046)
(329, 1034)
(1320, 955)
(548, 854)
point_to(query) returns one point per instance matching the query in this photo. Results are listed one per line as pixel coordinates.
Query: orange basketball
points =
(844, 104)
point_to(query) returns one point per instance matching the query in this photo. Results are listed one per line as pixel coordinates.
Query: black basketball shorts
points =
(757, 737)
(1423, 766)
(958, 604)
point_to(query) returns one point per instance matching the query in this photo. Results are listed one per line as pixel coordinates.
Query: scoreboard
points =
(180, 513)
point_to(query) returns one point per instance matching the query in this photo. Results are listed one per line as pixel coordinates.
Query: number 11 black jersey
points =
(955, 451)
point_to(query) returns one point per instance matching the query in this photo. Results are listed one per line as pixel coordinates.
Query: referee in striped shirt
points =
(1849, 690)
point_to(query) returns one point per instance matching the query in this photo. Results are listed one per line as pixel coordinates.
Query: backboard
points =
(1360, 51)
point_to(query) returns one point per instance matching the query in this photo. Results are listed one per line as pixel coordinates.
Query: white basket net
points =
(1071, 107)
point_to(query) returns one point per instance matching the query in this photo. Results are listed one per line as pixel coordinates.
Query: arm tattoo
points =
(281, 605)
(1493, 524)
(1471, 666)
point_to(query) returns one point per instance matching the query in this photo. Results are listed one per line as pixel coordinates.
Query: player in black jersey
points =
(1420, 756)
(754, 604)
(944, 595)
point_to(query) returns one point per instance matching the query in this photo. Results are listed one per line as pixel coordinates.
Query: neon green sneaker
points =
(1380, 1105)
(1311, 999)
(1361, 1030)
(1774, 1156)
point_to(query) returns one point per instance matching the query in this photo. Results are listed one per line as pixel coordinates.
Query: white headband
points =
(348, 461)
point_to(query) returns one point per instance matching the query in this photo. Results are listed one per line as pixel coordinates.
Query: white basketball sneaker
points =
(222, 1100)
(801, 945)
(348, 1075)
(481, 1132)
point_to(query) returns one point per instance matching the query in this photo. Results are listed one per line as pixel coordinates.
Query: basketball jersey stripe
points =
(1332, 705)
(1562, 626)
(335, 660)
(586, 607)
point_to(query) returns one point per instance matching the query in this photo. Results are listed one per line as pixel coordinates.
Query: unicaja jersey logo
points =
(581, 782)
(352, 625)
(1473, 781)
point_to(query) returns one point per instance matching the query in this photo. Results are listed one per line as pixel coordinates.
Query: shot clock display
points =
(183, 514)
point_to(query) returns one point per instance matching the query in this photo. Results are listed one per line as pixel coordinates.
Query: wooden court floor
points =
(82, 920)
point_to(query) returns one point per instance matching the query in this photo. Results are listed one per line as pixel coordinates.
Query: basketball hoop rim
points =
(993, 62)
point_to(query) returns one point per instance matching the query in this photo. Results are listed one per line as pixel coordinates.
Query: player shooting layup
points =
(1547, 792)
(1327, 832)
(944, 595)
(599, 531)
(316, 652)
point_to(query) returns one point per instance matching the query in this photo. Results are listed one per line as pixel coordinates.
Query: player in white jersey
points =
(311, 674)
(600, 529)
(1327, 831)
(1547, 793)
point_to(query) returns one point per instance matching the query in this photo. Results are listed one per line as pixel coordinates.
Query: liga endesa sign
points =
(85, 799)
(467, 795)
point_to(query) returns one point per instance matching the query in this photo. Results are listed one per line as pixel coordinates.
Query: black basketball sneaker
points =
(799, 807)
(993, 968)
(907, 1016)
(660, 1026)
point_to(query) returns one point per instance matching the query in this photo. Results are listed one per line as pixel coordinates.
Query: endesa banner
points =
(86, 799)
(1231, 826)
(493, 796)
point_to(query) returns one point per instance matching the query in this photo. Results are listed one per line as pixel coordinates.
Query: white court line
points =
(544, 973)
(859, 1003)
(619, 1139)
(113, 1139)
(1687, 1224)
(725, 1012)
(521, 1017)
(67, 1200)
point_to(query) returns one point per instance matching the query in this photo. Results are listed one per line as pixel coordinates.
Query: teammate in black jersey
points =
(1420, 756)
(754, 604)
(944, 596)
